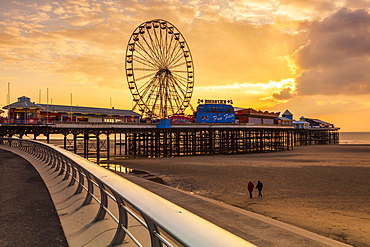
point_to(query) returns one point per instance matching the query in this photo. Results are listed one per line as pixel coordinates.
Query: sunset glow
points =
(311, 57)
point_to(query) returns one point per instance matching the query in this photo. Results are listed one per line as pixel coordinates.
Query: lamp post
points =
(8, 101)
(71, 109)
(8, 98)
(47, 105)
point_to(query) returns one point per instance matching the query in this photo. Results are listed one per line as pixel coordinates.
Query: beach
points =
(324, 188)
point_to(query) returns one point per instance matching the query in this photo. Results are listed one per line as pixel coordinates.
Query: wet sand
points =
(324, 189)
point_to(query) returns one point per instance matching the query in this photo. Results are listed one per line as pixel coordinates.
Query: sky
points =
(310, 57)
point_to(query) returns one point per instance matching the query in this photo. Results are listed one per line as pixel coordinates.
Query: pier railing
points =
(163, 223)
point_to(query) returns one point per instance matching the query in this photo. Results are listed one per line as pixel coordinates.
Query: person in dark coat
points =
(259, 187)
(250, 188)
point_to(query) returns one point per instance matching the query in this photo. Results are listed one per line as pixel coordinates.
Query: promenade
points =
(27, 213)
(26, 203)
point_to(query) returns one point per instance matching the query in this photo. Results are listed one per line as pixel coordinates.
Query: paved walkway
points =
(27, 213)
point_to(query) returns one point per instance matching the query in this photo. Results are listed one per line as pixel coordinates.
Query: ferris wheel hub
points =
(164, 73)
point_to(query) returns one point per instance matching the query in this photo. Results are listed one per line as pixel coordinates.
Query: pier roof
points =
(24, 103)
(284, 118)
(88, 110)
(287, 113)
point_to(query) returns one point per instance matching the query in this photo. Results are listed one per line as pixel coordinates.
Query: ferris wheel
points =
(159, 69)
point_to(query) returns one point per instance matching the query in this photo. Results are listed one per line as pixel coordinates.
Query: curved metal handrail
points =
(166, 223)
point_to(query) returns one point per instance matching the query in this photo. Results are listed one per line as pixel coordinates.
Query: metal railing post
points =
(153, 230)
(103, 202)
(62, 167)
(74, 173)
(81, 180)
(120, 234)
(90, 189)
(67, 169)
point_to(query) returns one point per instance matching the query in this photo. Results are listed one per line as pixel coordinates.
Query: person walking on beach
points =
(250, 188)
(259, 187)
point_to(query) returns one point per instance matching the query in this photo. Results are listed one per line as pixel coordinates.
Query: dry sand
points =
(324, 189)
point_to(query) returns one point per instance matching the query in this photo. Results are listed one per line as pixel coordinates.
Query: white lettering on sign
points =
(215, 101)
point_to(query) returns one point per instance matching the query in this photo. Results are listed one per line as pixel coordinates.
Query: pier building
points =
(215, 113)
(1, 116)
(316, 123)
(26, 112)
(249, 115)
(23, 112)
(285, 119)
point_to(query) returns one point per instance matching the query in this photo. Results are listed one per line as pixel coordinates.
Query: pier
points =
(104, 140)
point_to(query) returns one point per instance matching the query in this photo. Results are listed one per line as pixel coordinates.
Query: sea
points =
(354, 137)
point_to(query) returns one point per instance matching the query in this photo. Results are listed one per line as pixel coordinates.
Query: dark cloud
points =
(283, 94)
(357, 4)
(336, 58)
